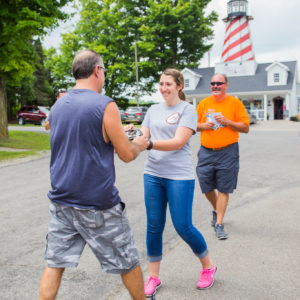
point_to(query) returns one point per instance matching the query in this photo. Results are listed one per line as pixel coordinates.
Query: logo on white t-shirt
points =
(173, 119)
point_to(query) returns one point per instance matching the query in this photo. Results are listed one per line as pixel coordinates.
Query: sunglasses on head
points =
(217, 83)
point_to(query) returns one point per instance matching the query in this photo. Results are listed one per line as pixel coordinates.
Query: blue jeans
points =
(179, 194)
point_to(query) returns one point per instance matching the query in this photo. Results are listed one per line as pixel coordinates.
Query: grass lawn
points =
(31, 142)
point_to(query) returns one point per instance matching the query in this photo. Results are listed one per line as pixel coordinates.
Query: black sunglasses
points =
(217, 83)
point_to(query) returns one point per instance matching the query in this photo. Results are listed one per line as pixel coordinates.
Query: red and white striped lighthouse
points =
(237, 42)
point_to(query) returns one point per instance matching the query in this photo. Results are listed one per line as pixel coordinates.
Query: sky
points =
(275, 32)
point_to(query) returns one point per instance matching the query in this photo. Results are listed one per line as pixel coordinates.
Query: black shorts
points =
(218, 169)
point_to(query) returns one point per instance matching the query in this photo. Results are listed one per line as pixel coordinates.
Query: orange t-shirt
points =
(232, 108)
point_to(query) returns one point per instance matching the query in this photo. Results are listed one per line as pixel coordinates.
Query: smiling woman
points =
(169, 177)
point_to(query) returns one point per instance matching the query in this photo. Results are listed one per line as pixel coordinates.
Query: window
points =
(186, 83)
(243, 7)
(276, 77)
(235, 6)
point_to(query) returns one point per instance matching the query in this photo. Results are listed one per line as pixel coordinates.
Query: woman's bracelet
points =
(150, 145)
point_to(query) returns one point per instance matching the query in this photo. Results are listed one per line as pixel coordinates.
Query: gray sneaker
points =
(214, 218)
(220, 233)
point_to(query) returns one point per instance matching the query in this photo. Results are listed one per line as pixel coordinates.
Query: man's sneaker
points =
(214, 218)
(220, 233)
(206, 279)
(151, 286)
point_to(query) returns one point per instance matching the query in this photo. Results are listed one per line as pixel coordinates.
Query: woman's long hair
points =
(178, 78)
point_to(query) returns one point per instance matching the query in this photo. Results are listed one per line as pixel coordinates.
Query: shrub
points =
(294, 118)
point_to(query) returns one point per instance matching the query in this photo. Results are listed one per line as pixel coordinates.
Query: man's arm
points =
(205, 126)
(237, 126)
(113, 132)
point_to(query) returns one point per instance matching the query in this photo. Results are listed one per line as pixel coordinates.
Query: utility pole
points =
(136, 74)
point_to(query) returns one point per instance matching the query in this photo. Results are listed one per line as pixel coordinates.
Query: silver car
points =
(122, 114)
(135, 114)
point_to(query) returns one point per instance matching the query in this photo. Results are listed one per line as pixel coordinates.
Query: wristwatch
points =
(150, 145)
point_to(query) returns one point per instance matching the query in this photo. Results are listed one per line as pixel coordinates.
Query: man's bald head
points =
(84, 63)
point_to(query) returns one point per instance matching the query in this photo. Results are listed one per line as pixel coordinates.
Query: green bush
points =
(294, 118)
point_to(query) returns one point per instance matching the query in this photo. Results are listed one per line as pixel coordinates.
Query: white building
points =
(272, 91)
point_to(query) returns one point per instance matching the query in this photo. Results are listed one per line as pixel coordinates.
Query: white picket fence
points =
(259, 113)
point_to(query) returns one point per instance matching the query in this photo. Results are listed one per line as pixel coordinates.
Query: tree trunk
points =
(3, 111)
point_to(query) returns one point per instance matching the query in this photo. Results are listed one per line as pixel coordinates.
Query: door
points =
(278, 109)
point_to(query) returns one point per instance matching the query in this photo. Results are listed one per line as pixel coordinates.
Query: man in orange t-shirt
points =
(220, 119)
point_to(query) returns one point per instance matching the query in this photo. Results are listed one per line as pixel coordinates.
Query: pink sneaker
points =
(151, 286)
(206, 279)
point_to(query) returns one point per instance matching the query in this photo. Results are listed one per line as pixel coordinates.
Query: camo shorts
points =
(107, 232)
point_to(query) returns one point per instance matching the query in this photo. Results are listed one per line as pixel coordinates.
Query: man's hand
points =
(205, 126)
(222, 120)
(47, 125)
(208, 125)
(128, 127)
(237, 126)
(141, 142)
(114, 132)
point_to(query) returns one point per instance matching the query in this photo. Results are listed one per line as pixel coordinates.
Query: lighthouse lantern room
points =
(237, 8)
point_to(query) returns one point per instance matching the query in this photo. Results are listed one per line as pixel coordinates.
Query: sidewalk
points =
(281, 125)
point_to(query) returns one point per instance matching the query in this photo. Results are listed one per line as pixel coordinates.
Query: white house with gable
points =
(271, 91)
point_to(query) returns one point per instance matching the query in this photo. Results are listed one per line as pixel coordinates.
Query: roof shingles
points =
(240, 84)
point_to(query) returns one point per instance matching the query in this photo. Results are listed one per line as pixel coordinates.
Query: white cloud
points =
(54, 38)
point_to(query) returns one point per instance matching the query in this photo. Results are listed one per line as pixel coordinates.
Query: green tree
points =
(19, 95)
(168, 33)
(34, 88)
(42, 89)
(22, 21)
(174, 33)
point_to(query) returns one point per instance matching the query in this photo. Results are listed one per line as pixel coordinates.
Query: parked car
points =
(32, 114)
(135, 114)
(122, 114)
(252, 117)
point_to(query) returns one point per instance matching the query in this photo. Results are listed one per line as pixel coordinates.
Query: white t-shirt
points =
(163, 120)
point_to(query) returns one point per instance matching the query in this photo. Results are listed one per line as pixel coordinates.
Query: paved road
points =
(36, 128)
(260, 260)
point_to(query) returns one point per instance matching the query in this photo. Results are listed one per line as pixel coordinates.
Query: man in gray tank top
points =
(85, 206)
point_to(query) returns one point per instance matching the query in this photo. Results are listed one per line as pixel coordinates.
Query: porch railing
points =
(259, 113)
